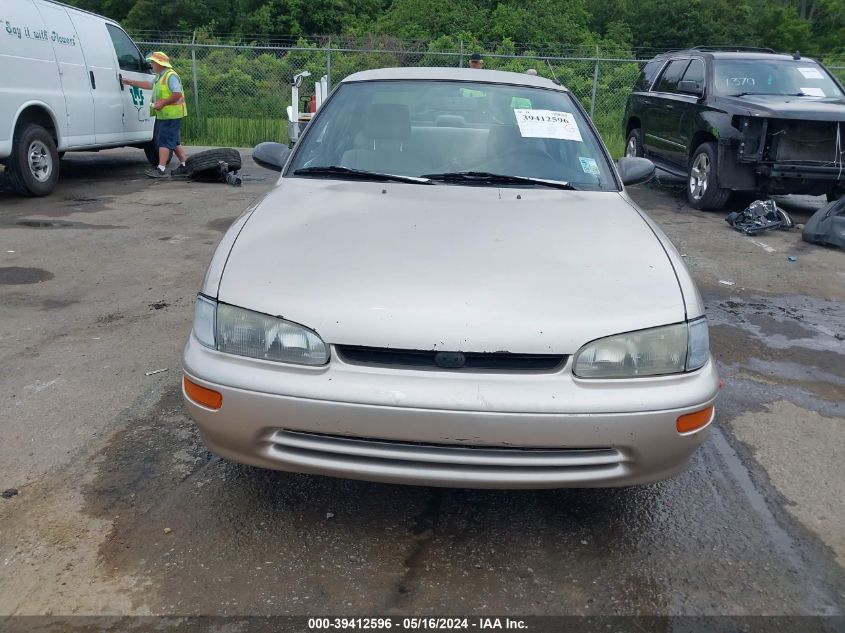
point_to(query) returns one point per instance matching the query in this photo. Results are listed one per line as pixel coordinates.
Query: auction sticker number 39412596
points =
(547, 124)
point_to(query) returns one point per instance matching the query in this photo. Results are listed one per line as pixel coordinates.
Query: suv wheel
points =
(33, 167)
(702, 191)
(634, 143)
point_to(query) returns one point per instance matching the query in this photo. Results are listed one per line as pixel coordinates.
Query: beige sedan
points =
(449, 286)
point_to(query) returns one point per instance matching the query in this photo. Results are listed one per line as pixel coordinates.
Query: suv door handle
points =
(120, 81)
(669, 106)
(93, 82)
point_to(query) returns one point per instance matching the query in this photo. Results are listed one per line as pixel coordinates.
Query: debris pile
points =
(759, 216)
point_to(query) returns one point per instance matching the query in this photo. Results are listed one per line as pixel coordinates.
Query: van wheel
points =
(33, 167)
(702, 191)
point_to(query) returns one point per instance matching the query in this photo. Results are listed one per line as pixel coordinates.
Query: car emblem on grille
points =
(450, 360)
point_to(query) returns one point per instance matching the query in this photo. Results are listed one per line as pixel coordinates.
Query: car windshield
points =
(456, 133)
(773, 77)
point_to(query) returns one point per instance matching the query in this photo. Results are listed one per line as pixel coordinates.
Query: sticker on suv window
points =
(811, 73)
(547, 124)
(589, 165)
(813, 92)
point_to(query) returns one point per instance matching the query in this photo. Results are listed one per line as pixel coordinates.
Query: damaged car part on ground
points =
(827, 225)
(449, 286)
(759, 216)
(745, 121)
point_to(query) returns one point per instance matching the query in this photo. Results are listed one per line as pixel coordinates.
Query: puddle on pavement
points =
(792, 343)
(783, 322)
(221, 224)
(16, 275)
(60, 224)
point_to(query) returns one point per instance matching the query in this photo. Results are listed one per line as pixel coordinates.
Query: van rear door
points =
(136, 101)
(105, 86)
(73, 73)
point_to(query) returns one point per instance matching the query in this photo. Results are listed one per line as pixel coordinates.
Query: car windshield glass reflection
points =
(422, 128)
(782, 77)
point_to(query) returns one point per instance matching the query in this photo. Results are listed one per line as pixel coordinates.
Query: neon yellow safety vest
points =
(162, 91)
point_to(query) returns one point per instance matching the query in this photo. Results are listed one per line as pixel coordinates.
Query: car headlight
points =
(670, 349)
(243, 332)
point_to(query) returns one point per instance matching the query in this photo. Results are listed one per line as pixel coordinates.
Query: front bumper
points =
(437, 428)
(802, 171)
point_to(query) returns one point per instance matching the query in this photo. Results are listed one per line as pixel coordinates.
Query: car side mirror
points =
(690, 87)
(271, 155)
(635, 171)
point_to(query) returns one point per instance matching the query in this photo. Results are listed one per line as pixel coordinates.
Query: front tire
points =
(703, 191)
(634, 144)
(33, 167)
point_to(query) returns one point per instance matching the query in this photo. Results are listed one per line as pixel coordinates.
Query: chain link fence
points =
(238, 94)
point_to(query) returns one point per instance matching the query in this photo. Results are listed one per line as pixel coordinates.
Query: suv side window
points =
(646, 77)
(672, 75)
(128, 55)
(695, 72)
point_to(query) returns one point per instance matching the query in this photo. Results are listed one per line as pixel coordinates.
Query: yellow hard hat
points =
(160, 58)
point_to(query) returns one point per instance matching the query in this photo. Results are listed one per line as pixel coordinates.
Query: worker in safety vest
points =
(169, 108)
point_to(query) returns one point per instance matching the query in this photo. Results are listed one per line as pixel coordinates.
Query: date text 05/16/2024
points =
(415, 624)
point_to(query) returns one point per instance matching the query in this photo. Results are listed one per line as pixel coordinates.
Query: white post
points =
(324, 85)
(294, 103)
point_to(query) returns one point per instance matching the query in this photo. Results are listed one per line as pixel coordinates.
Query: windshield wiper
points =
(497, 179)
(360, 174)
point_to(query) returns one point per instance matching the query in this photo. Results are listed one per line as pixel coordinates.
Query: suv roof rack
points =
(734, 49)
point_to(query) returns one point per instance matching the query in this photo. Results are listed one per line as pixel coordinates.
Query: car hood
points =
(463, 268)
(782, 107)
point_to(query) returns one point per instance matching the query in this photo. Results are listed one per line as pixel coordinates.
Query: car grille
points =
(418, 455)
(451, 361)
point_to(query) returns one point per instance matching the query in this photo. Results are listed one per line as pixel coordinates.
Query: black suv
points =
(749, 121)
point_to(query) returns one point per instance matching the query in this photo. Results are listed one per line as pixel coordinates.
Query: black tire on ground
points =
(208, 160)
(33, 167)
(634, 143)
(702, 189)
(151, 148)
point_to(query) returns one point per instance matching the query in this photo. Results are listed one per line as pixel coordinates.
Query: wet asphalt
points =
(189, 533)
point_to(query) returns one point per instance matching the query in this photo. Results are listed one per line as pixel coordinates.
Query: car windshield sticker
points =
(813, 92)
(589, 165)
(811, 73)
(547, 124)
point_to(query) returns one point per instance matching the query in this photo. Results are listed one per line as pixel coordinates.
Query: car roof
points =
(456, 74)
(757, 55)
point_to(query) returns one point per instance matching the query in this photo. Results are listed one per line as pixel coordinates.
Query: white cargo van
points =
(61, 90)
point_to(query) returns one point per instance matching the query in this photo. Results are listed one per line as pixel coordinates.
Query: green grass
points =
(233, 131)
(615, 143)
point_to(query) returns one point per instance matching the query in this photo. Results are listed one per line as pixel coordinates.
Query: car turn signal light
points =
(694, 421)
(201, 395)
